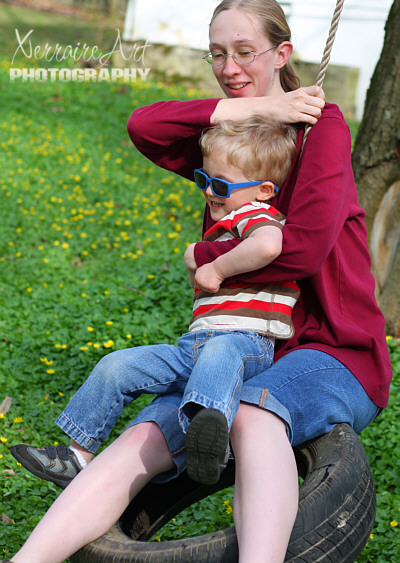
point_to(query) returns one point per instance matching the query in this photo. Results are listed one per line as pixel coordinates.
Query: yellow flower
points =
(61, 394)
(3, 440)
(29, 289)
(90, 329)
(393, 523)
(108, 344)
(96, 345)
(109, 323)
(50, 371)
(371, 536)
(18, 419)
(129, 336)
(83, 348)
(389, 338)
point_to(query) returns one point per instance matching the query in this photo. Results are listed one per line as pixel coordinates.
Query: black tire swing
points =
(335, 516)
(337, 501)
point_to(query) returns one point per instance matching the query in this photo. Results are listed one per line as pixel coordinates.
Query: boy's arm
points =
(190, 263)
(260, 248)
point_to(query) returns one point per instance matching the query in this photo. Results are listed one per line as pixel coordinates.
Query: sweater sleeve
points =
(168, 133)
(316, 197)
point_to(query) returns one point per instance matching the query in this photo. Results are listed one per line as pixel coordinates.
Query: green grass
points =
(91, 250)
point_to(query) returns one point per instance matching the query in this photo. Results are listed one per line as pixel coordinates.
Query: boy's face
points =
(216, 166)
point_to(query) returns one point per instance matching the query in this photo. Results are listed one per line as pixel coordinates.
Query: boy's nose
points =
(209, 191)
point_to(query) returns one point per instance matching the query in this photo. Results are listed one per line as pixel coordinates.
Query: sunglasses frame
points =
(229, 185)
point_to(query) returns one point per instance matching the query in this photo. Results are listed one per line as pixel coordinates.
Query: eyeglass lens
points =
(241, 57)
(219, 187)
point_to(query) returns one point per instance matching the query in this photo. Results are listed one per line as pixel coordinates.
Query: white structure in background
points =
(358, 42)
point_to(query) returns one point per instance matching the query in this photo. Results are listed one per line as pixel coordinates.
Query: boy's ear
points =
(266, 191)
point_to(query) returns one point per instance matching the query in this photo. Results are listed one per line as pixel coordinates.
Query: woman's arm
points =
(168, 132)
(300, 106)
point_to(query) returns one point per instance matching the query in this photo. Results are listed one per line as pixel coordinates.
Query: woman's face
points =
(233, 30)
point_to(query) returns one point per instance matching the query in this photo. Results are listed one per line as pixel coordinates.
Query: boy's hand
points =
(207, 278)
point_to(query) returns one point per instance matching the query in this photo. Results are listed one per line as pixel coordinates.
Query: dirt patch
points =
(52, 8)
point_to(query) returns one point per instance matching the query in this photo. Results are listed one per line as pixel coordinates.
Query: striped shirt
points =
(265, 309)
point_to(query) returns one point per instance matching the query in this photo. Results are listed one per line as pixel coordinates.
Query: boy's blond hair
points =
(263, 149)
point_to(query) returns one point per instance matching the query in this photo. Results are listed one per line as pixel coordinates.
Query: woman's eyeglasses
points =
(242, 57)
(219, 187)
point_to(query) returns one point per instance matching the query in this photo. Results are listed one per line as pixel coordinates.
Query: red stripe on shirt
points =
(253, 304)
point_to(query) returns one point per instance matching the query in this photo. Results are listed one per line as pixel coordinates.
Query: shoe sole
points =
(37, 469)
(206, 443)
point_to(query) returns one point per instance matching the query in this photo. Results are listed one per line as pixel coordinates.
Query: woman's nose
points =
(231, 66)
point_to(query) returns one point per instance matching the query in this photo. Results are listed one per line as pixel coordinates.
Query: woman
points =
(335, 369)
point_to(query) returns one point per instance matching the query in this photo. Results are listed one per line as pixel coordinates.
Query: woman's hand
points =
(303, 105)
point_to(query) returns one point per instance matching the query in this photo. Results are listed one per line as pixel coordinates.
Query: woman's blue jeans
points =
(206, 368)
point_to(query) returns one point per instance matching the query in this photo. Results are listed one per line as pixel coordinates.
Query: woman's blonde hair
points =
(275, 26)
(263, 149)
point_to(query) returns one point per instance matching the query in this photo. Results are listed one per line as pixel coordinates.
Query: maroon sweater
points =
(325, 245)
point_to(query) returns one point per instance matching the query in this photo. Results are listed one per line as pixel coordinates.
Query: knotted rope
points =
(327, 52)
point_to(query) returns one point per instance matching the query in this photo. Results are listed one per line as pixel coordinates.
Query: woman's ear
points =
(266, 191)
(283, 51)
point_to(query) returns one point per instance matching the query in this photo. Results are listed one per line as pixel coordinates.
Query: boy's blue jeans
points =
(206, 368)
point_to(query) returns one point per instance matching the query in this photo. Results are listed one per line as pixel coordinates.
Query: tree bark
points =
(376, 164)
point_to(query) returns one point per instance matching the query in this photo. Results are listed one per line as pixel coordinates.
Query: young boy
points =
(236, 313)
(232, 331)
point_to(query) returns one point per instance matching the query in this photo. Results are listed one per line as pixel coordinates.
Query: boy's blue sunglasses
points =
(219, 187)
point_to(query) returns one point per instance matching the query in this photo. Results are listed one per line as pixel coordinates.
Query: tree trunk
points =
(376, 164)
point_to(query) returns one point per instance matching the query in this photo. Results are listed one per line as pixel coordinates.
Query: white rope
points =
(327, 52)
